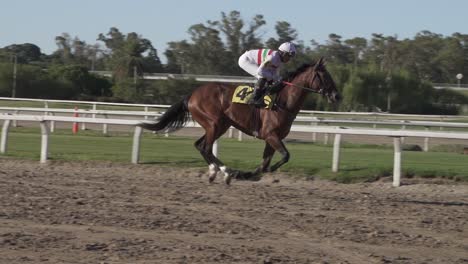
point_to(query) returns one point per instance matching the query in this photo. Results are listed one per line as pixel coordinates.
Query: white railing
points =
(43, 121)
(302, 112)
(311, 120)
(301, 118)
(453, 86)
(396, 134)
(338, 131)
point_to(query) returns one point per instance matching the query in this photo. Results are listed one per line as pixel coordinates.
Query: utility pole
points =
(13, 91)
(459, 77)
(181, 61)
(134, 74)
(388, 80)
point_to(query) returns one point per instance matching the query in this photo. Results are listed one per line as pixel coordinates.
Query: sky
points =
(40, 21)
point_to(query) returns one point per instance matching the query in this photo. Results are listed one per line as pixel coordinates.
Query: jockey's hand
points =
(277, 82)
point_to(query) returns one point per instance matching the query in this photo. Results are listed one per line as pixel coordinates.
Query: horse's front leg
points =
(276, 143)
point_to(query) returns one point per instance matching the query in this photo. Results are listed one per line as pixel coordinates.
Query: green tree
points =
(238, 40)
(358, 46)
(25, 53)
(33, 82)
(285, 34)
(129, 54)
(206, 53)
(84, 83)
(75, 51)
(335, 51)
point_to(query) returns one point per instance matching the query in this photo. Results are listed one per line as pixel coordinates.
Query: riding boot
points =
(257, 97)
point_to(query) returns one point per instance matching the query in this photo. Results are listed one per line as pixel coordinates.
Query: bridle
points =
(321, 91)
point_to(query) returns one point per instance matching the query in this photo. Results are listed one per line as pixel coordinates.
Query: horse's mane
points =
(301, 69)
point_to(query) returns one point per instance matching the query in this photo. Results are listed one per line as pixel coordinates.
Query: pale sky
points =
(40, 21)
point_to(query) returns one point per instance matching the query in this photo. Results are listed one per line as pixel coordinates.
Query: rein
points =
(321, 92)
(302, 87)
(305, 88)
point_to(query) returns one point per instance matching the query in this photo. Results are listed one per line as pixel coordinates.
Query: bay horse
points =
(210, 105)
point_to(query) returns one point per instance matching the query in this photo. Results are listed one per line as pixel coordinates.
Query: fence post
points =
(397, 161)
(52, 124)
(426, 142)
(46, 113)
(104, 126)
(215, 148)
(336, 153)
(403, 127)
(314, 134)
(44, 141)
(94, 110)
(4, 139)
(83, 124)
(136, 144)
(15, 123)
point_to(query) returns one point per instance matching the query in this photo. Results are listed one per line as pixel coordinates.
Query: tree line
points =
(382, 73)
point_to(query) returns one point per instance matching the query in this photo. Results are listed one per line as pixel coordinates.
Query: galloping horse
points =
(211, 106)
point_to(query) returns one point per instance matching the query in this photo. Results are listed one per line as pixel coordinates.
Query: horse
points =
(210, 105)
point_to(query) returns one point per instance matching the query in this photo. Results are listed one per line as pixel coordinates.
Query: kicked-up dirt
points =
(102, 212)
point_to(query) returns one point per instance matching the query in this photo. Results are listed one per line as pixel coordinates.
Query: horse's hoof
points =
(227, 179)
(212, 172)
(211, 178)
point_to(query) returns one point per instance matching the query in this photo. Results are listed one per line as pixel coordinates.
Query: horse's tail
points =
(173, 119)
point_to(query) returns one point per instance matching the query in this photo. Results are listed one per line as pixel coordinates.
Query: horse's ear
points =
(319, 63)
(324, 62)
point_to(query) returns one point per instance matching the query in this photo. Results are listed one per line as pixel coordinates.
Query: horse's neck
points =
(293, 97)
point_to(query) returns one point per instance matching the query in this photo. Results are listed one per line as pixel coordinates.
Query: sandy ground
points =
(90, 212)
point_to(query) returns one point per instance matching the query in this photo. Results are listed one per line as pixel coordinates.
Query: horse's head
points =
(322, 82)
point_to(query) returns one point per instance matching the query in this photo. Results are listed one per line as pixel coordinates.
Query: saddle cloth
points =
(243, 93)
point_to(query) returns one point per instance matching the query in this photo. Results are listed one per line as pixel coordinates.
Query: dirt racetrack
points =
(102, 212)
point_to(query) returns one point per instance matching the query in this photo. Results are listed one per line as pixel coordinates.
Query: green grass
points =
(358, 162)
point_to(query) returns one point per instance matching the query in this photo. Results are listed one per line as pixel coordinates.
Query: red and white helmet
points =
(288, 48)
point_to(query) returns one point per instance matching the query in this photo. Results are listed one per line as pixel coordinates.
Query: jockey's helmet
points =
(288, 48)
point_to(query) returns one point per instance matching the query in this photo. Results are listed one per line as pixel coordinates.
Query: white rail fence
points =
(338, 131)
(146, 107)
(311, 120)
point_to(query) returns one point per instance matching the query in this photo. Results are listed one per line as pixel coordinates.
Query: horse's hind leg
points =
(212, 167)
(210, 137)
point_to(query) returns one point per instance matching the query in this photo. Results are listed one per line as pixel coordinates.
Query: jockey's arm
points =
(267, 70)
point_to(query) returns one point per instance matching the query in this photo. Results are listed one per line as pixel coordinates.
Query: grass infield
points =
(358, 162)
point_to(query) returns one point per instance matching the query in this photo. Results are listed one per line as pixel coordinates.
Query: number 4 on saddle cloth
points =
(243, 93)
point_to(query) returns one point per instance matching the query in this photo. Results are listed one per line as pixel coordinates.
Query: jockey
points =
(264, 64)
